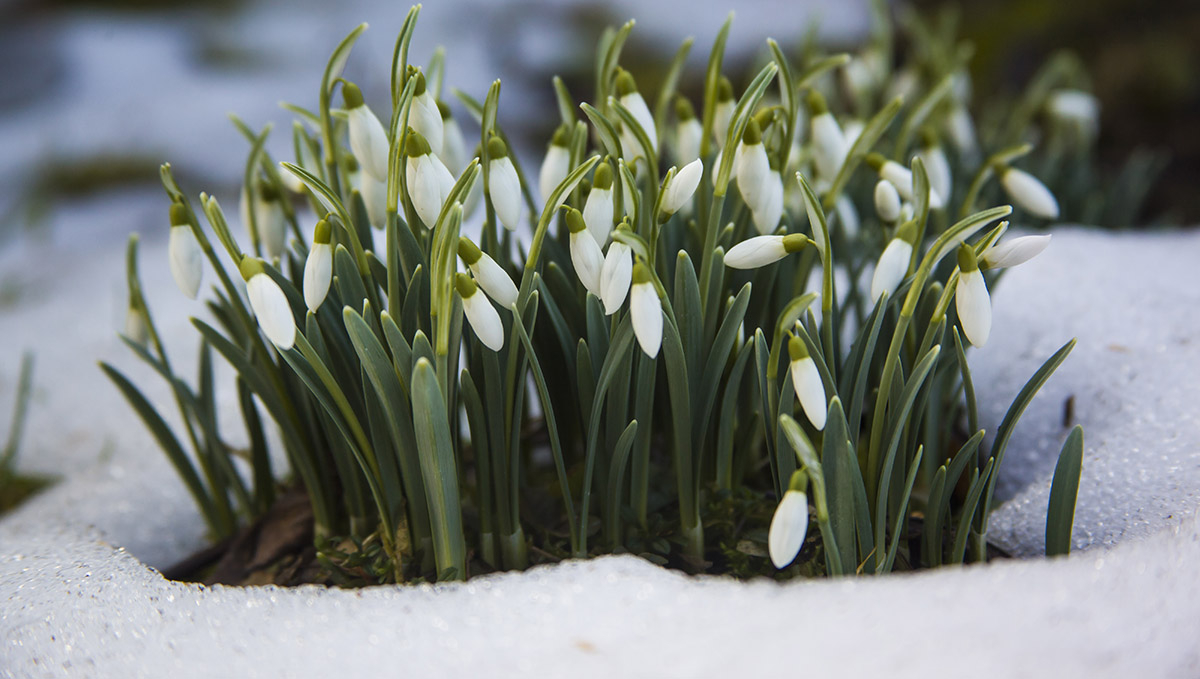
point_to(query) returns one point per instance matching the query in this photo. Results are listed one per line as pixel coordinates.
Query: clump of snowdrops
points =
(728, 334)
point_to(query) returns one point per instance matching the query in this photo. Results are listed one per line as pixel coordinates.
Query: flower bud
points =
(480, 313)
(504, 186)
(645, 311)
(184, 253)
(368, 139)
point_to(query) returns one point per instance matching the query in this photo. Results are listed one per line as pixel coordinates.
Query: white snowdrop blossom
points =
(1029, 193)
(184, 253)
(269, 304)
(893, 263)
(688, 132)
(971, 298)
(489, 275)
(750, 164)
(429, 182)
(586, 256)
(631, 99)
(645, 311)
(318, 268)
(769, 210)
(374, 195)
(848, 214)
(828, 142)
(937, 167)
(454, 146)
(598, 209)
(557, 164)
(961, 128)
(368, 139)
(504, 186)
(1075, 107)
(615, 276)
(1014, 251)
(424, 116)
(480, 313)
(135, 325)
(679, 190)
(901, 177)
(723, 111)
(851, 131)
(758, 251)
(270, 221)
(887, 201)
(789, 525)
(806, 381)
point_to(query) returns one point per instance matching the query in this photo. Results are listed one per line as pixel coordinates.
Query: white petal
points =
(722, 117)
(454, 147)
(887, 201)
(598, 214)
(494, 281)
(272, 310)
(374, 194)
(682, 186)
(770, 204)
(962, 130)
(891, 269)
(368, 141)
(789, 525)
(587, 260)
(555, 168)
(751, 165)
(425, 187)
(829, 145)
(484, 321)
(687, 140)
(1015, 251)
(505, 191)
(937, 167)
(851, 131)
(755, 252)
(135, 327)
(424, 117)
(806, 380)
(901, 177)
(974, 307)
(186, 259)
(318, 271)
(1030, 193)
(848, 214)
(641, 113)
(272, 227)
(645, 311)
(615, 276)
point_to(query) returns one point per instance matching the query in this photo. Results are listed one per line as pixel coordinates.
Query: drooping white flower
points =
(616, 276)
(318, 268)
(961, 128)
(504, 186)
(763, 250)
(271, 221)
(645, 310)
(489, 275)
(688, 132)
(901, 177)
(751, 165)
(135, 325)
(887, 201)
(723, 111)
(1029, 193)
(598, 209)
(184, 253)
(480, 313)
(971, 298)
(1075, 107)
(557, 164)
(806, 380)
(368, 139)
(679, 190)
(269, 304)
(851, 131)
(789, 526)
(374, 195)
(937, 166)
(893, 263)
(1014, 251)
(631, 99)
(454, 146)
(848, 214)
(828, 141)
(586, 256)
(429, 182)
(424, 116)
(767, 213)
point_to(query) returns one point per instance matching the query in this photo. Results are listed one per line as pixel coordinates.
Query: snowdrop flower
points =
(904, 84)
(688, 132)
(789, 525)
(480, 313)
(893, 263)
(269, 304)
(1014, 251)
(679, 190)
(557, 164)
(971, 298)
(374, 195)
(887, 201)
(769, 210)
(368, 139)
(488, 274)
(454, 147)
(318, 268)
(1075, 107)
(135, 325)
(961, 128)
(270, 220)
(585, 252)
(763, 250)
(598, 210)
(751, 165)
(848, 214)
(851, 131)
(183, 252)
(504, 186)
(1028, 192)
(723, 112)
(937, 166)
(806, 380)
(425, 117)
(616, 275)
(429, 182)
(645, 310)
(901, 177)
(829, 144)
(631, 99)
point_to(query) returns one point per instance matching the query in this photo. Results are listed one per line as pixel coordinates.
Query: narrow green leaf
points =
(1060, 514)
(439, 472)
